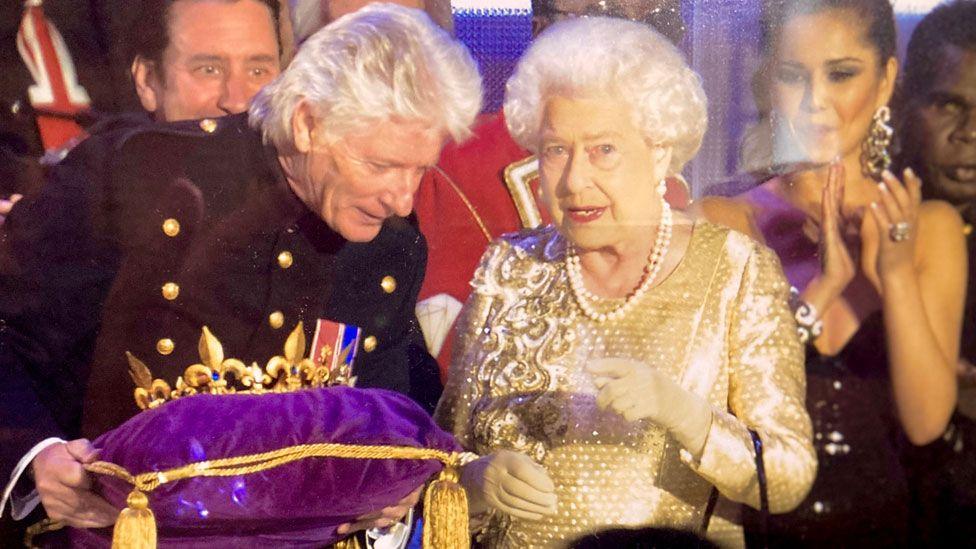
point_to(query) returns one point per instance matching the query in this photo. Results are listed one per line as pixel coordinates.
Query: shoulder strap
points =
(709, 510)
(763, 527)
(763, 530)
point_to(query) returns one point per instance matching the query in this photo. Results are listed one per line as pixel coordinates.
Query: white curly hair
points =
(379, 63)
(592, 57)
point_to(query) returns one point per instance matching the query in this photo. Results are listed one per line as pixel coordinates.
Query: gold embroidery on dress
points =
(719, 325)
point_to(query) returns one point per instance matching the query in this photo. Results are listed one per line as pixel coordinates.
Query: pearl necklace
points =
(585, 298)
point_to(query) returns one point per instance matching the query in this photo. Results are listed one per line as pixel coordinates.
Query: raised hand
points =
(895, 216)
(509, 482)
(836, 265)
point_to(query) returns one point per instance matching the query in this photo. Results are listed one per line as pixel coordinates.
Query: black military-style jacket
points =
(213, 236)
(55, 271)
(101, 227)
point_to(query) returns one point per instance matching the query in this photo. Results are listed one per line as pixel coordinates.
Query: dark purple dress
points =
(860, 496)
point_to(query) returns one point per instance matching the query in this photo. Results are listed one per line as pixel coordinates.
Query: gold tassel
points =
(136, 525)
(446, 513)
(352, 542)
(445, 502)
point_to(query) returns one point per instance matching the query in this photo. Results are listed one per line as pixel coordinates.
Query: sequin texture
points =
(719, 325)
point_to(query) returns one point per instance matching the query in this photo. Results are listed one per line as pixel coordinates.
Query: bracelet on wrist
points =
(808, 323)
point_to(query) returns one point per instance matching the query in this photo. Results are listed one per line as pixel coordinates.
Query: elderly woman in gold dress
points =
(609, 367)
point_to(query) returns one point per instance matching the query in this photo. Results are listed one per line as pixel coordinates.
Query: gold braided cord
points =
(467, 203)
(43, 526)
(253, 463)
(445, 502)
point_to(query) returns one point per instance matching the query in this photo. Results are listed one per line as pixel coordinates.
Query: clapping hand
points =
(895, 217)
(836, 265)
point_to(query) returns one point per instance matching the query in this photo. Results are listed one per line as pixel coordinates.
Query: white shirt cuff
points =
(394, 537)
(20, 507)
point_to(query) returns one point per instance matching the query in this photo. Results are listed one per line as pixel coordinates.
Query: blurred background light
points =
(915, 6)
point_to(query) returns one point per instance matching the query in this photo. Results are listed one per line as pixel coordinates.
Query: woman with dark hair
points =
(937, 118)
(879, 274)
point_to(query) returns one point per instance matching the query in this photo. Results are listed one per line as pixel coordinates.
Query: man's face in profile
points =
(946, 128)
(358, 181)
(220, 54)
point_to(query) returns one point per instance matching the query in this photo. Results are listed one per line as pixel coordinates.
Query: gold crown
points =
(216, 375)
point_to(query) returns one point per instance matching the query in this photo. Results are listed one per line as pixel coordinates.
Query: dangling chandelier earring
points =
(876, 157)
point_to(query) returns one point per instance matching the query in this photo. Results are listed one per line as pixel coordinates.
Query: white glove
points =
(509, 482)
(636, 391)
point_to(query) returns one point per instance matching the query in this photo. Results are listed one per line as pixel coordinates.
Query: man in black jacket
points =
(206, 226)
(190, 59)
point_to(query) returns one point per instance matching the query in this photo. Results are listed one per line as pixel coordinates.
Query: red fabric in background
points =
(455, 241)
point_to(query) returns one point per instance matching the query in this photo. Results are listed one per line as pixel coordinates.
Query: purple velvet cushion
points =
(296, 505)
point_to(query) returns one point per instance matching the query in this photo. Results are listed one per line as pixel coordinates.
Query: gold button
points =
(388, 284)
(171, 291)
(276, 319)
(171, 227)
(285, 259)
(165, 346)
(369, 344)
(208, 125)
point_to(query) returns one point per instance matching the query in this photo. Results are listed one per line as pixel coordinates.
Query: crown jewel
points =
(217, 375)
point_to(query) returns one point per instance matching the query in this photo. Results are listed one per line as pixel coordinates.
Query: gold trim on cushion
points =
(445, 501)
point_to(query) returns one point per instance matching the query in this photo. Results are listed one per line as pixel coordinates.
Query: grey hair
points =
(381, 62)
(308, 16)
(590, 57)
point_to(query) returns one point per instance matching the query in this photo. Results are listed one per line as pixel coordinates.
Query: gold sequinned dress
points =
(719, 325)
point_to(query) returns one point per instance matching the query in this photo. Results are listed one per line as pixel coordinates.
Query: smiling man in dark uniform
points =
(304, 218)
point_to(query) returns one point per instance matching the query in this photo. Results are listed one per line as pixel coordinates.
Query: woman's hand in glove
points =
(636, 391)
(509, 482)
